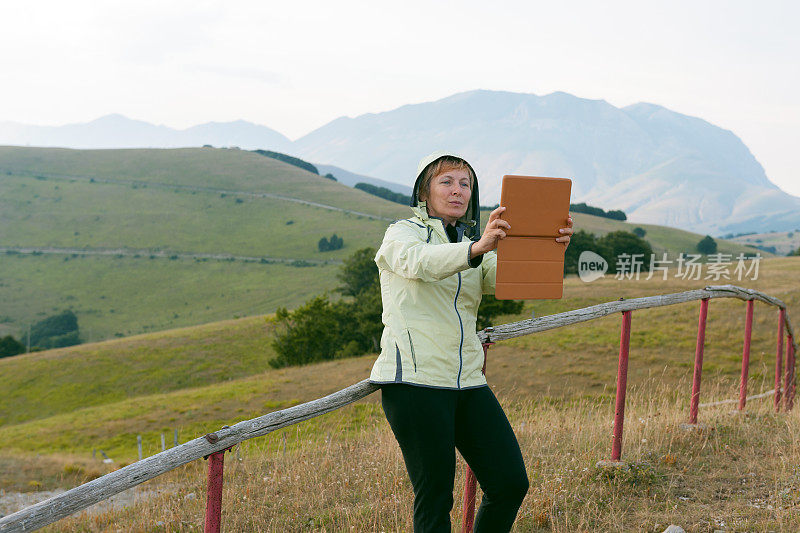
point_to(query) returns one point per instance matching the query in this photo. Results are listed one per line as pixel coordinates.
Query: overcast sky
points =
(294, 66)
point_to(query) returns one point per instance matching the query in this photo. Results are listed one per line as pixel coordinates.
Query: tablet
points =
(530, 263)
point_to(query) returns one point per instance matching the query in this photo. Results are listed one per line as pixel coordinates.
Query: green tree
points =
(579, 242)
(359, 273)
(707, 245)
(10, 346)
(639, 232)
(491, 307)
(321, 329)
(56, 331)
(308, 334)
(366, 311)
(327, 245)
(617, 243)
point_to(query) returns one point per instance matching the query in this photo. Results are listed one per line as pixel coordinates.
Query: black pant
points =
(429, 425)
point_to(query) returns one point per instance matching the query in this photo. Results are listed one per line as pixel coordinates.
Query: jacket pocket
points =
(413, 355)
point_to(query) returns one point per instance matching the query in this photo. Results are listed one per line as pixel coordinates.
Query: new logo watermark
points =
(592, 266)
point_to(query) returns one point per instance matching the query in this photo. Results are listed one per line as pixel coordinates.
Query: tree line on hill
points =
(56, 331)
(294, 161)
(615, 214)
(384, 193)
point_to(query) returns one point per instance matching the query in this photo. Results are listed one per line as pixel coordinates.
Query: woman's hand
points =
(495, 230)
(566, 233)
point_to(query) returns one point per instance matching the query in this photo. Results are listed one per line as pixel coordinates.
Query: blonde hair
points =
(440, 166)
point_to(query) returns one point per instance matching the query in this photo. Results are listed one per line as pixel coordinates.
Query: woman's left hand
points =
(566, 232)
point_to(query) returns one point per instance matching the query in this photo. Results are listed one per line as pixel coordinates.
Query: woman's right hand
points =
(495, 230)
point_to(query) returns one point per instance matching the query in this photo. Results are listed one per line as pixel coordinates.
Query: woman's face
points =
(449, 195)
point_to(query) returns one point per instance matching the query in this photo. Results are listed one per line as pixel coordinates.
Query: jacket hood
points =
(472, 218)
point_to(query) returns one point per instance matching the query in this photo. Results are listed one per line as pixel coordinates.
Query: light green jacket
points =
(430, 298)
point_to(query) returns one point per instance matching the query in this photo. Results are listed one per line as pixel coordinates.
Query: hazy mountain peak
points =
(118, 131)
(112, 120)
(633, 158)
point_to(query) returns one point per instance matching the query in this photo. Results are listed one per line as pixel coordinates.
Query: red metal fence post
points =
(788, 385)
(622, 385)
(698, 361)
(216, 464)
(470, 483)
(779, 360)
(748, 330)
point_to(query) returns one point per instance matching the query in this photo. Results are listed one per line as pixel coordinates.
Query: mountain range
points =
(657, 165)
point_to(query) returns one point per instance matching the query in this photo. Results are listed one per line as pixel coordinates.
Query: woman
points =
(433, 269)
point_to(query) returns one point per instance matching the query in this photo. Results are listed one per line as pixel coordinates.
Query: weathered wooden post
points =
(779, 360)
(139, 445)
(698, 361)
(748, 330)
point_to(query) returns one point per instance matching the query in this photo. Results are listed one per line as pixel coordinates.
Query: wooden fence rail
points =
(83, 496)
(535, 325)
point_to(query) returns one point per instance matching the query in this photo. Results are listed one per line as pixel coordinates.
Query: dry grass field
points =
(344, 471)
(742, 474)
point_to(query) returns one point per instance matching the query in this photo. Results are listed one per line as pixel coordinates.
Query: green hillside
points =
(43, 384)
(73, 399)
(145, 240)
(176, 216)
(233, 170)
(81, 214)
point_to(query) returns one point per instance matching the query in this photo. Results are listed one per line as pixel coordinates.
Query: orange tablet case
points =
(530, 263)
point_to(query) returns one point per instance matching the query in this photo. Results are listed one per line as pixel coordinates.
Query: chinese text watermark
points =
(592, 266)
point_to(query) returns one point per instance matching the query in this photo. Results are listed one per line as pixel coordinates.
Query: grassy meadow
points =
(122, 199)
(122, 296)
(185, 201)
(557, 387)
(81, 214)
(225, 169)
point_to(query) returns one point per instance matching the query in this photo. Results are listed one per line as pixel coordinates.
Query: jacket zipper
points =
(461, 325)
(413, 356)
